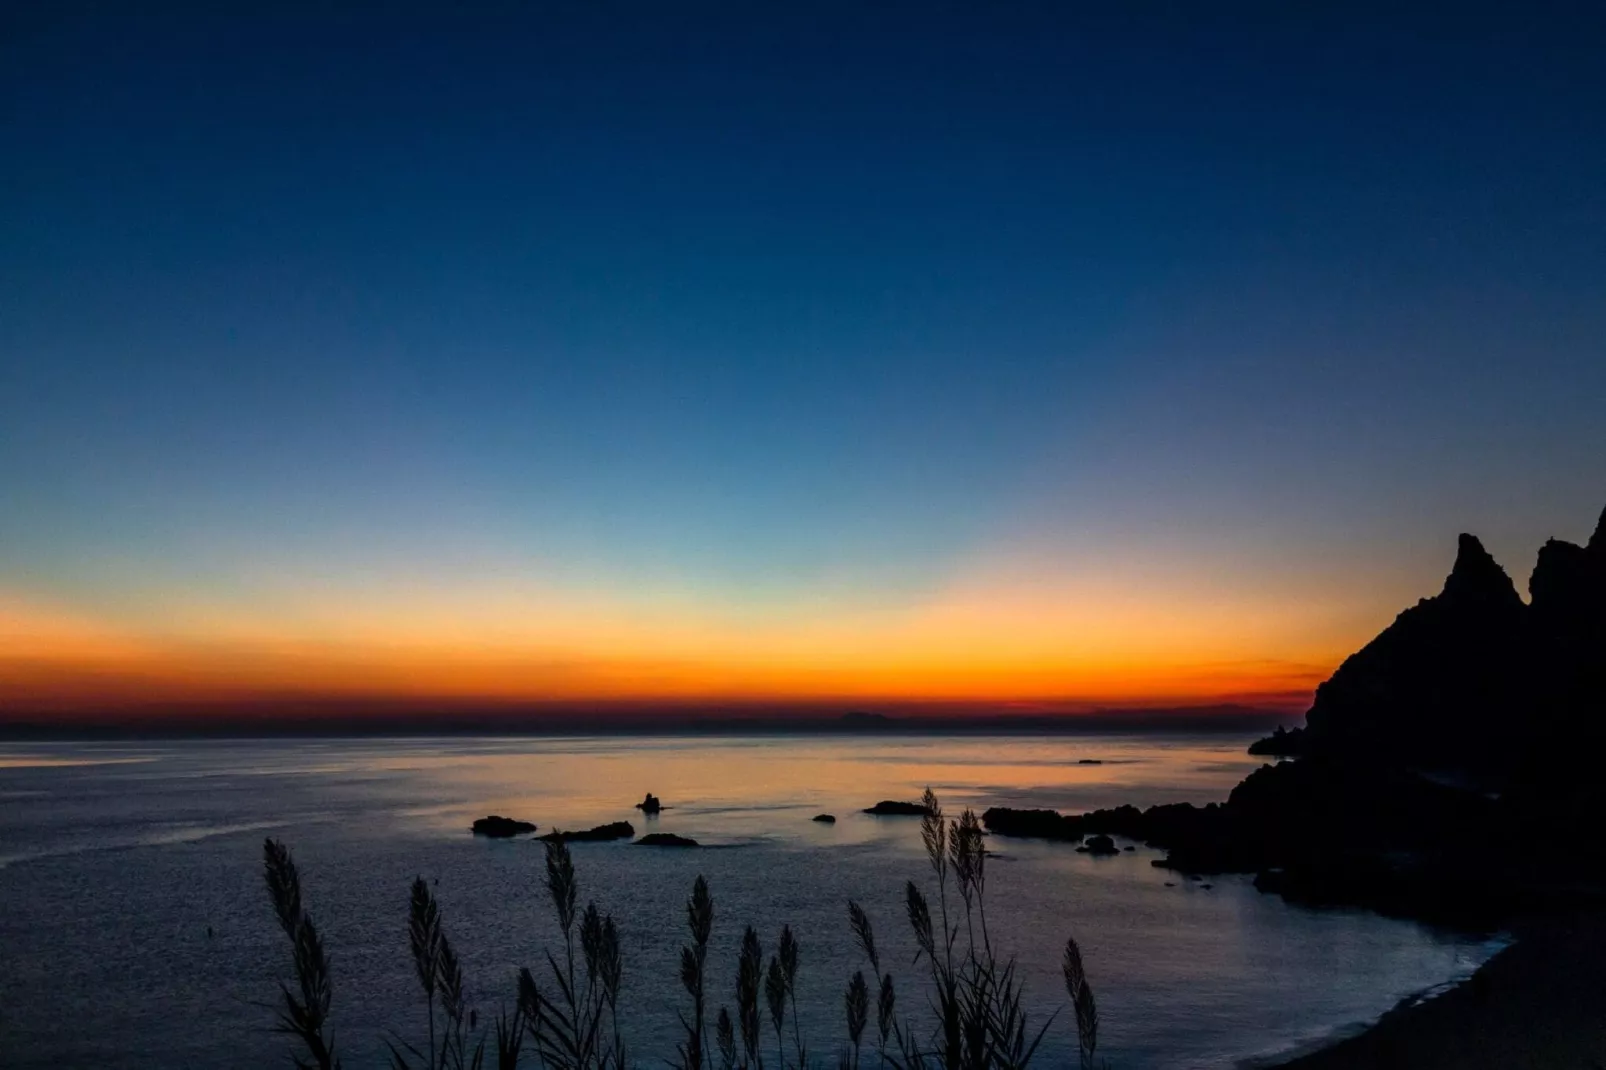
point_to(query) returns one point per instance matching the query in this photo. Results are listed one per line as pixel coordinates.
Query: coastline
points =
(1537, 1003)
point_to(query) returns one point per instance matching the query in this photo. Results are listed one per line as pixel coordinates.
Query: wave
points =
(155, 838)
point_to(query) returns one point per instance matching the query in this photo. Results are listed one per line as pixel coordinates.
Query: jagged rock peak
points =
(1597, 541)
(1554, 571)
(1478, 577)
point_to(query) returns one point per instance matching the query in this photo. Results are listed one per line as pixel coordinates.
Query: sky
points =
(1034, 356)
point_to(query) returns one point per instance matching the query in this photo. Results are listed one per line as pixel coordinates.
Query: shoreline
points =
(1290, 1054)
(1536, 1003)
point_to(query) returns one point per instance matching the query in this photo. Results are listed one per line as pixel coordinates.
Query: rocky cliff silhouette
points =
(1568, 613)
(1474, 680)
(1443, 770)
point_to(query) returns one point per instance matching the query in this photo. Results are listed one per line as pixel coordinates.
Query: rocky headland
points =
(1447, 770)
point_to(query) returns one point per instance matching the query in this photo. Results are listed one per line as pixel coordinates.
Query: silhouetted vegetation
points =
(306, 1008)
(572, 1018)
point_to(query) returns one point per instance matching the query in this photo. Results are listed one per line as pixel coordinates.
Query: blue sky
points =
(750, 312)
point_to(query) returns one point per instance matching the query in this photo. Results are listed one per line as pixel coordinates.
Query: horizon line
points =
(276, 720)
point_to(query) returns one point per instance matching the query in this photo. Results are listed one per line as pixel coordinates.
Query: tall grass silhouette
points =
(571, 1017)
(306, 1007)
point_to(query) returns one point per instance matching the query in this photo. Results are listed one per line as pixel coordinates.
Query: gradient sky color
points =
(695, 352)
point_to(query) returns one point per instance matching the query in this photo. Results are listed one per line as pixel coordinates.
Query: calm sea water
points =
(136, 932)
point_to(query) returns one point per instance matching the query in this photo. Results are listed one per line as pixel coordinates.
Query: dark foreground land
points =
(1448, 771)
(1539, 1004)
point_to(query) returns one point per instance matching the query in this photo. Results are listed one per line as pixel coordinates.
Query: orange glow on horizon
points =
(1021, 651)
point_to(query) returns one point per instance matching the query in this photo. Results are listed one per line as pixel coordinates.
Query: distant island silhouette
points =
(344, 719)
(1449, 769)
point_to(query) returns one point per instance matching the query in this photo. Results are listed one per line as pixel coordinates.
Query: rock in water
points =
(1099, 845)
(893, 808)
(665, 839)
(650, 805)
(1038, 824)
(617, 830)
(500, 828)
(825, 819)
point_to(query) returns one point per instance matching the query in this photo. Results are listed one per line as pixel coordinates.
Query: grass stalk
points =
(306, 1009)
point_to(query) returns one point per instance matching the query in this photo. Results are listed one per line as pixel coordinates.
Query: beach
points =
(1539, 1004)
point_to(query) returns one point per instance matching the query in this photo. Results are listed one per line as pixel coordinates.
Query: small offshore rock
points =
(893, 808)
(665, 839)
(1099, 845)
(825, 819)
(500, 828)
(617, 830)
(650, 805)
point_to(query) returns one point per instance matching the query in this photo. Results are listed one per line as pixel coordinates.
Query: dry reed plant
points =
(579, 1029)
(1087, 1012)
(306, 1010)
(977, 997)
(436, 965)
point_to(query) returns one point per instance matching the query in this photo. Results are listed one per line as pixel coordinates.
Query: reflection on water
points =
(121, 858)
(48, 761)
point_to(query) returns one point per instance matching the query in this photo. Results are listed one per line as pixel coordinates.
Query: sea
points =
(135, 928)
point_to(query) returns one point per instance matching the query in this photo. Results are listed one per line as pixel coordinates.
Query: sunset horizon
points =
(802, 536)
(662, 376)
(983, 658)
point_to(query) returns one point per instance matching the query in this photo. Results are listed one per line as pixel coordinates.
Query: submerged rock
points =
(825, 819)
(665, 839)
(893, 808)
(500, 828)
(617, 830)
